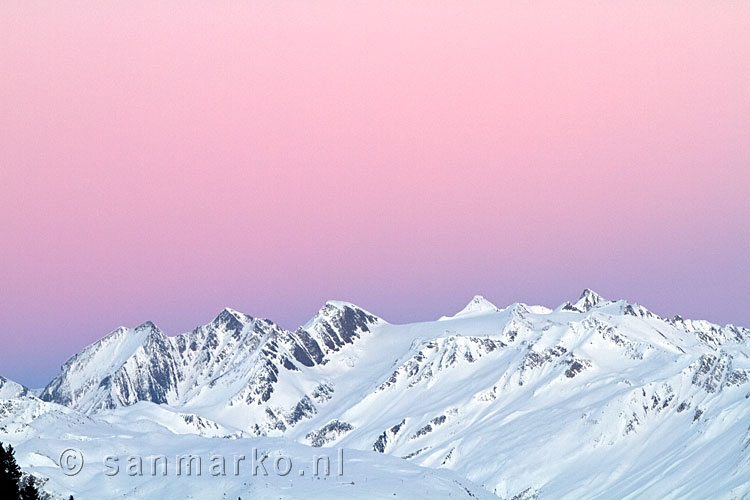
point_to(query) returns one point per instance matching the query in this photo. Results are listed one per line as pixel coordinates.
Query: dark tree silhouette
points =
(10, 474)
(30, 491)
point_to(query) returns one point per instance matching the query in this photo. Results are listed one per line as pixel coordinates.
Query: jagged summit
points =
(587, 301)
(340, 304)
(477, 305)
(232, 319)
(336, 308)
(146, 325)
(233, 312)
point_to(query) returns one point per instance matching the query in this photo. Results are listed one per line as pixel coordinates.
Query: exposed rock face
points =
(329, 433)
(235, 359)
(126, 366)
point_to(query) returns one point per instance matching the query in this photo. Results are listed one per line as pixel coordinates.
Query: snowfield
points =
(594, 399)
(119, 463)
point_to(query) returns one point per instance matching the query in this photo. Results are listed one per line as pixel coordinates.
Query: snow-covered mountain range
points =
(593, 399)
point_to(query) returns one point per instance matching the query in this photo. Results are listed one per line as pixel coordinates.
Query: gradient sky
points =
(159, 162)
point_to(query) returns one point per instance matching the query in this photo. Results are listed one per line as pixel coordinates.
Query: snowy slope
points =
(126, 366)
(594, 399)
(49, 429)
(10, 389)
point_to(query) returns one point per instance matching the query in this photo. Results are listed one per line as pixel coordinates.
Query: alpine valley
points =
(595, 399)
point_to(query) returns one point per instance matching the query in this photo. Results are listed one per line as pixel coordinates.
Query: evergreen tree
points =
(30, 492)
(10, 474)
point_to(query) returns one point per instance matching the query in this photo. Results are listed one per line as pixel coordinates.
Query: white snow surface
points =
(10, 389)
(596, 399)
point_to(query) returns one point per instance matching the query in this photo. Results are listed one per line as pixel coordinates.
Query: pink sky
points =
(163, 162)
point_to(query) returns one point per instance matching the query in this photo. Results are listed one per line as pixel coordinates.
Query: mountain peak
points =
(232, 312)
(477, 305)
(589, 299)
(146, 325)
(10, 389)
(339, 304)
(232, 318)
(335, 308)
(589, 293)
